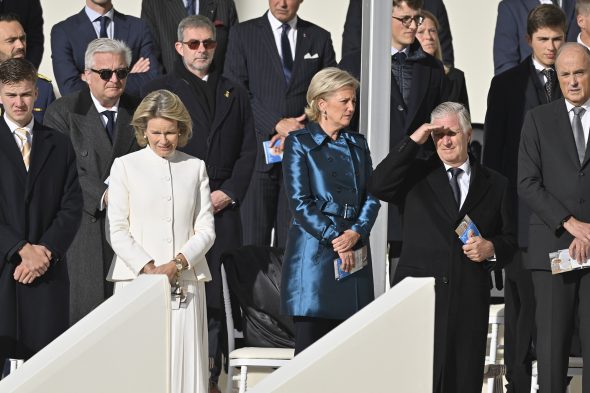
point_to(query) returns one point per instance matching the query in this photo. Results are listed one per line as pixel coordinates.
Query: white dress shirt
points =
(463, 179)
(93, 16)
(13, 126)
(100, 109)
(277, 31)
(585, 117)
(540, 68)
(579, 39)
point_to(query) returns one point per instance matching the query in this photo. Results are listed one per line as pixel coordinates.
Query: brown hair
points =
(545, 15)
(413, 4)
(17, 70)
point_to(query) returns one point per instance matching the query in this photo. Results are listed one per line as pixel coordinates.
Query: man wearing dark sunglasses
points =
(418, 85)
(97, 119)
(223, 136)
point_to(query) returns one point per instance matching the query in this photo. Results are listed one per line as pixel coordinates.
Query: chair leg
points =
(534, 378)
(493, 354)
(243, 378)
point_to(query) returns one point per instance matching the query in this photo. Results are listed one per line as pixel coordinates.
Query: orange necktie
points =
(23, 135)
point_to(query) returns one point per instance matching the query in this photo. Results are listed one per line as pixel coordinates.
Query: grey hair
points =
(105, 45)
(571, 45)
(453, 108)
(195, 22)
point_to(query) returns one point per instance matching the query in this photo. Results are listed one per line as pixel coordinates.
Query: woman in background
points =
(161, 222)
(427, 34)
(326, 168)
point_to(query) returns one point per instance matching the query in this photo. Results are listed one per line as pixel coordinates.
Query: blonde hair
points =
(325, 83)
(162, 104)
(429, 15)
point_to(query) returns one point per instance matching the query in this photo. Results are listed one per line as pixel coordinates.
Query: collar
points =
(538, 66)
(569, 106)
(276, 24)
(152, 154)
(100, 108)
(466, 166)
(93, 15)
(579, 40)
(406, 50)
(13, 126)
(319, 136)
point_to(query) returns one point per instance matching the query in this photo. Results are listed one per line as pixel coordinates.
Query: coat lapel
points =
(9, 147)
(420, 78)
(268, 40)
(223, 102)
(124, 137)
(302, 47)
(562, 124)
(439, 182)
(42, 147)
(121, 31)
(85, 31)
(478, 187)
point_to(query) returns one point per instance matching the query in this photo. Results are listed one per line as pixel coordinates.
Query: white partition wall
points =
(386, 347)
(122, 346)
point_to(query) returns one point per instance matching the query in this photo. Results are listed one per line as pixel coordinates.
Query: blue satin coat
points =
(319, 172)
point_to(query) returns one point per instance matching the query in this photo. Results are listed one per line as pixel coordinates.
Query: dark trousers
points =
(310, 329)
(519, 313)
(216, 328)
(558, 298)
(265, 207)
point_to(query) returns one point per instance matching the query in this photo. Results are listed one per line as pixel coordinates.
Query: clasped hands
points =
(168, 269)
(343, 245)
(34, 263)
(579, 248)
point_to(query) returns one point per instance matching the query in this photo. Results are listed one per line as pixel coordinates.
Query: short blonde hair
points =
(325, 83)
(162, 104)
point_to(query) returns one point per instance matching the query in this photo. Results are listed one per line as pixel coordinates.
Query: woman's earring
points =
(325, 115)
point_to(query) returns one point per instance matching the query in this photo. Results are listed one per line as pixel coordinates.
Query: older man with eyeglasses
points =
(418, 85)
(97, 120)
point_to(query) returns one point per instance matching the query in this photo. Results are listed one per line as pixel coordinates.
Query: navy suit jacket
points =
(253, 61)
(510, 44)
(70, 38)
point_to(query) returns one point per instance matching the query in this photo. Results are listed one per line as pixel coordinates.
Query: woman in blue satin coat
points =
(326, 169)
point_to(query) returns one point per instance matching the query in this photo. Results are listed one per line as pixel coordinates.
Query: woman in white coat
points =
(161, 222)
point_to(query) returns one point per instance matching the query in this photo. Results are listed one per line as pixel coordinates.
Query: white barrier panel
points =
(122, 346)
(386, 347)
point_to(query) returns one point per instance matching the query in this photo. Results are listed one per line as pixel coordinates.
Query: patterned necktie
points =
(550, 75)
(191, 7)
(104, 21)
(455, 172)
(579, 132)
(25, 150)
(286, 52)
(397, 66)
(110, 126)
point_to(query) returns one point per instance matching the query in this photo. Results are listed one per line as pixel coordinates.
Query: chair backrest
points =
(252, 278)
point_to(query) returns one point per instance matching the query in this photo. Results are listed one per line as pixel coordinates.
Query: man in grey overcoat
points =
(97, 120)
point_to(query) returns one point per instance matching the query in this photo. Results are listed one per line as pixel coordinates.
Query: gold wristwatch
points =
(179, 266)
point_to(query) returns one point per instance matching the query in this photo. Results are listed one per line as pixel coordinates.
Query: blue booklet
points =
(360, 261)
(466, 229)
(270, 157)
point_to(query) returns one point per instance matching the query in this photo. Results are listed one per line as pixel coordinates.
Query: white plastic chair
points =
(248, 356)
(574, 368)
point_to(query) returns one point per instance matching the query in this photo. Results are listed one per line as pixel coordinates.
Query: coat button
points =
(330, 159)
(445, 280)
(580, 174)
(400, 108)
(169, 240)
(92, 219)
(84, 153)
(334, 174)
(168, 219)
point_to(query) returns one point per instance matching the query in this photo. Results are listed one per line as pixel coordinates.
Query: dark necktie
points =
(579, 132)
(110, 126)
(104, 21)
(191, 7)
(455, 172)
(397, 63)
(286, 51)
(550, 75)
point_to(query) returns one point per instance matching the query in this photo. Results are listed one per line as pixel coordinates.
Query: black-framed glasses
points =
(407, 20)
(207, 44)
(106, 74)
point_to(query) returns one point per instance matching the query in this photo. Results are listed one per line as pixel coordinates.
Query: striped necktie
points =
(23, 134)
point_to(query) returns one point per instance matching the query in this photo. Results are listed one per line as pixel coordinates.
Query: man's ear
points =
(178, 47)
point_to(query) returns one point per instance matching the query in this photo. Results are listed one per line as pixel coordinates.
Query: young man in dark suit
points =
(274, 57)
(40, 211)
(70, 38)
(418, 85)
(97, 119)
(223, 137)
(163, 18)
(434, 195)
(512, 94)
(552, 171)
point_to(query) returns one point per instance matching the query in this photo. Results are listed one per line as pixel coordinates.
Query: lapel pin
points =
(226, 94)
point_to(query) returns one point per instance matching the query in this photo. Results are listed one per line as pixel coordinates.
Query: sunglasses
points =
(195, 44)
(106, 75)
(407, 20)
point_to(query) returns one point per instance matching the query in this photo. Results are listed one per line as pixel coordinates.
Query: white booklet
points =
(360, 261)
(561, 262)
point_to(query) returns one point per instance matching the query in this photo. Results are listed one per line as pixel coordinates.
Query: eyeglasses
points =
(207, 44)
(106, 74)
(407, 20)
